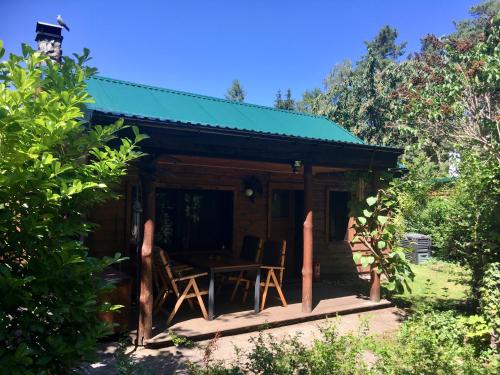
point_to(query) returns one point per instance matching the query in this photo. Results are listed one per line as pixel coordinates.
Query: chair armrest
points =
(194, 276)
(272, 268)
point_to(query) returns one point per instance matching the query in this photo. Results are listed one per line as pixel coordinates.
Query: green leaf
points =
(390, 285)
(116, 307)
(381, 245)
(362, 220)
(26, 49)
(367, 213)
(382, 219)
(357, 257)
(371, 201)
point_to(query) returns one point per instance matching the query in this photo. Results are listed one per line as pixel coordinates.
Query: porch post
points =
(307, 268)
(144, 331)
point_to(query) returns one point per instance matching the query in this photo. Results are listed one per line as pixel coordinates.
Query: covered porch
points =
(205, 186)
(225, 214)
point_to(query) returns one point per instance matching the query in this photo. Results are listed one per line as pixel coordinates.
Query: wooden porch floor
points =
(237, 317)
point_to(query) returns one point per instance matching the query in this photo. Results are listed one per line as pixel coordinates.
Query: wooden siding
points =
(250, 218)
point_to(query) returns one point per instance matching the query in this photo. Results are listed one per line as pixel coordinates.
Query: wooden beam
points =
(225, 143)
(144, 331)
(307, 268)
(374, 284)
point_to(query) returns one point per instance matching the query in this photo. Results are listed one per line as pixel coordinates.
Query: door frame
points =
(278, 186)
(290, 186)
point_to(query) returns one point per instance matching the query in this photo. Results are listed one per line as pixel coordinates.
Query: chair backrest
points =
(251, 249)
(273, 255)
(163, 269)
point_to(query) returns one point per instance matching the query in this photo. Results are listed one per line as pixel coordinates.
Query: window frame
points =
(328, 236)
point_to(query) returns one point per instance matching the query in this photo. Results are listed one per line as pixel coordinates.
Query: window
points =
(280, 204)
(194, 220)
(338, 214)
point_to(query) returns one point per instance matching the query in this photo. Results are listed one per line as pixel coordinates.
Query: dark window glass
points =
(194, 220)
(280, 204)
(339, 214)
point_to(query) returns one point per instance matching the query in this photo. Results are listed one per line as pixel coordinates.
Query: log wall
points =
(250, 218)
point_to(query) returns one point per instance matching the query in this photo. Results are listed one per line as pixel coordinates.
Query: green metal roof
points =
(138, 100)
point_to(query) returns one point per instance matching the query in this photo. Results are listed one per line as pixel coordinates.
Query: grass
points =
(437, 281)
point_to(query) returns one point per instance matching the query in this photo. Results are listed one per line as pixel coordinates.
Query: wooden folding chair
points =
(172, 279)
(273, 263)
(252, 251)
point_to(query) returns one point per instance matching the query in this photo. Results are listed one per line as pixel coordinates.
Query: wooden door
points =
(287, 208)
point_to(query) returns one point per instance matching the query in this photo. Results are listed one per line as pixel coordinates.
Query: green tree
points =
(288, 103)
(360, 97)
(384, 47)
(54, 168)
(236, 92)
(456, 98)
(473, 28)
(309, 100)
(278, 101)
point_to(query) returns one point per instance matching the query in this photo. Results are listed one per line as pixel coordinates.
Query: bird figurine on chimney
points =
(61, 22)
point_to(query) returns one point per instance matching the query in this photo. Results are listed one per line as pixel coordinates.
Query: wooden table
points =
(220, 263)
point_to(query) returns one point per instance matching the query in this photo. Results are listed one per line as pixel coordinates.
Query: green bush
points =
(490, 302)
(434, 220)
(54, 169)
(428, 343)
(432, 343)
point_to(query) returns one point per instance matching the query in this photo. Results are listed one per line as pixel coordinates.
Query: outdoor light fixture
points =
(249, 192)
(252, 187)
(296, 165)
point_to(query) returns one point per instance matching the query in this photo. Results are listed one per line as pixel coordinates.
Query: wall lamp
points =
(252, 187)
(296, 165)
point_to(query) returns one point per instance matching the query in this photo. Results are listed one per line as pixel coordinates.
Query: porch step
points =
(247, 321)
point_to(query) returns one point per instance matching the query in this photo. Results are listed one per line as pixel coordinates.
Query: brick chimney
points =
(49, 40)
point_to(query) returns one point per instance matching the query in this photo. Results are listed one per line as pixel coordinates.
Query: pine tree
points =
(236, 92)
(384, 46)
(278, 102)
(287, 104)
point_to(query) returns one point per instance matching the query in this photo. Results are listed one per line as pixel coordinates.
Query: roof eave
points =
(155, 122)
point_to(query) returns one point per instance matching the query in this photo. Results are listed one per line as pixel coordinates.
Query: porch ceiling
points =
(247, 165)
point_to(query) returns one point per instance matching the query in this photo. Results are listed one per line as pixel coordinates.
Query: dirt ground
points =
(172, 360)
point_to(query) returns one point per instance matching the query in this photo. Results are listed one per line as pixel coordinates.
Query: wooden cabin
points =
(218, 170)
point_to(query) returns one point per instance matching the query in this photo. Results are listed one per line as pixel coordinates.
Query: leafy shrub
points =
(427, 343)
(490, 302)
(332, 354)
(375, 229)
(54, 169)
(474, 231)
(434, 220)
(431, 343)
(339, 354)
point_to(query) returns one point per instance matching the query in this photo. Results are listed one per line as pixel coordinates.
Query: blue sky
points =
(201, 46)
